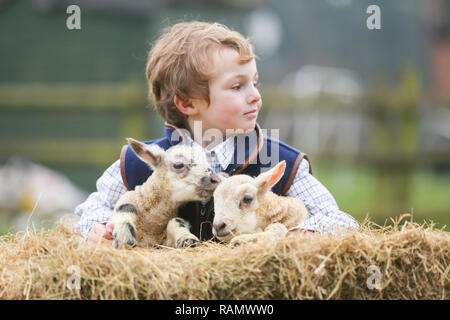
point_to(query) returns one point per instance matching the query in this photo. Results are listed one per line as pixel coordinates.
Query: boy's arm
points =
(325, 216)
(99, 205)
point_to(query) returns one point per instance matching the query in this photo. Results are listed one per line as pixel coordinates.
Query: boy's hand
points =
(101, 232)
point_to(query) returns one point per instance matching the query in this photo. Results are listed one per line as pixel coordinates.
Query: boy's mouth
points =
(252, 112)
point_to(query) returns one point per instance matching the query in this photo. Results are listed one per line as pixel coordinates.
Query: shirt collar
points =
(221, 153)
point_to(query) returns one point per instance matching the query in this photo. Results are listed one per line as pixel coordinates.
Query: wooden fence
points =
(86, 125)
(27, 112)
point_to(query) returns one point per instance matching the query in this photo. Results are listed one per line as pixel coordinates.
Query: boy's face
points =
(234, 99)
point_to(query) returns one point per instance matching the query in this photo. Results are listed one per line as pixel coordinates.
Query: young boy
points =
(203, 81)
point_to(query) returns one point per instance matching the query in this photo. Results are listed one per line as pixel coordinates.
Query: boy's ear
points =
(268, 179)
(151, 154)
(186, 107)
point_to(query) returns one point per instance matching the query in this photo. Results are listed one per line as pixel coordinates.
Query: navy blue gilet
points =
(258, 158)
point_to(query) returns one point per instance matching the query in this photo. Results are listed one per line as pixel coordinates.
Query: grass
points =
(355, 190)
(411, 261)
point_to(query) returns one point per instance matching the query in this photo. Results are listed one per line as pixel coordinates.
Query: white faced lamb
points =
(147, 216)
(247, 211)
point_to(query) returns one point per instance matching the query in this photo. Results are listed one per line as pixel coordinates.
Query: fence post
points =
(395, 142)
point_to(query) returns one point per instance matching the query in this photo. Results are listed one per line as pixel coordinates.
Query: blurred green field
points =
(355, 190)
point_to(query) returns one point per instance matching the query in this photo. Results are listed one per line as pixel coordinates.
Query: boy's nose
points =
(254, 97)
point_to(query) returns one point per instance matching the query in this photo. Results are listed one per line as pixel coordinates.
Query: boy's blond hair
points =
(180, 64)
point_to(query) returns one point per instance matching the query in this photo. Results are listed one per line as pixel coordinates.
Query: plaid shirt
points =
(325, 216)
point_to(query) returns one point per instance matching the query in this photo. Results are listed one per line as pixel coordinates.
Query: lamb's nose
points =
(214, 180)
(210, 181)
(220, 227)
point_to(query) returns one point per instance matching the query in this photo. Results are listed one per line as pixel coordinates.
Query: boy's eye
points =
(238, 86)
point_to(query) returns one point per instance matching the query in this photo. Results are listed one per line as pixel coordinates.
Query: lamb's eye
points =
(178, 166)
(245, 201)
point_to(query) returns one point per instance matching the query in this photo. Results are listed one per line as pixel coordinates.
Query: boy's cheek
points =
(235, 110)
(228, 114)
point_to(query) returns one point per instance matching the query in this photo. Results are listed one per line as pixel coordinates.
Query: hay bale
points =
(412, 260)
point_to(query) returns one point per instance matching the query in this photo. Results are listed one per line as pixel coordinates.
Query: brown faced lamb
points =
(147, 216)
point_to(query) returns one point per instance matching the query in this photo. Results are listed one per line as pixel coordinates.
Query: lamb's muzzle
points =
(208, 184)
(222, 231)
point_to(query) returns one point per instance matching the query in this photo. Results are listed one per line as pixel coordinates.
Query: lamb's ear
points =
(268, 179)
(151, 154)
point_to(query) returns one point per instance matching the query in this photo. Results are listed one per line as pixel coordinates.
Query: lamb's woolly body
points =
(154, 211)
(285, 210)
